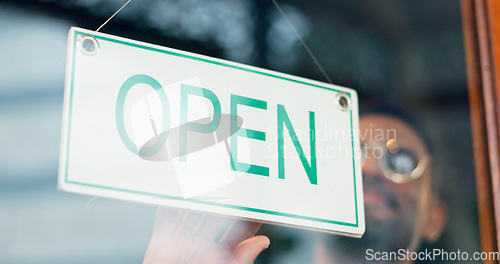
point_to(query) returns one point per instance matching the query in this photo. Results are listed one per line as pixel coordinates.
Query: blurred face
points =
(396, 178)
(400, 210)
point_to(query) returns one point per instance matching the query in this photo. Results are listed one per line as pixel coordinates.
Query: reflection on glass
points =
(409, 53)
(400, 214)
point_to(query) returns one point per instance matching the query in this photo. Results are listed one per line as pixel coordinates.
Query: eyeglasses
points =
(397, 162)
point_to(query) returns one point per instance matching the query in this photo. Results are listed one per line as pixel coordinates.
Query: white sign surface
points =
(156, 125)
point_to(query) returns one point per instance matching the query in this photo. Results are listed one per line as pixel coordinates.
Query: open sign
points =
(156, 125)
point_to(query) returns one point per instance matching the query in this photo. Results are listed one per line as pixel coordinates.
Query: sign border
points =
(219, 62)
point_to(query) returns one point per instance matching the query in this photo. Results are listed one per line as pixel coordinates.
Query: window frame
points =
(481, 28)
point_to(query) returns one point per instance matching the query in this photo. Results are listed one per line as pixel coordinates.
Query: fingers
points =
(178, 232)
(247, 251)
(166, 221)
(240, 231)
(170, 225)
(188, 225)
(212, 227)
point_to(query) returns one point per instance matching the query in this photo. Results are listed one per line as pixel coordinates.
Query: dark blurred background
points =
(402, 52)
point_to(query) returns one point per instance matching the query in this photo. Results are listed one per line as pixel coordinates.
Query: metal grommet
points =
(88, 45)
(343, 101)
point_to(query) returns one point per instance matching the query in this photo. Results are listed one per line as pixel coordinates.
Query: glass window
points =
(404, 58)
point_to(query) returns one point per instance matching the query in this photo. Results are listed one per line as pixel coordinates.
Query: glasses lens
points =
(402, 161)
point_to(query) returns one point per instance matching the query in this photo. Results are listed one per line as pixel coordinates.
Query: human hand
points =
(181, 236)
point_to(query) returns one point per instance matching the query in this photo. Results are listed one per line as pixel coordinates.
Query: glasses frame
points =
(382, 161)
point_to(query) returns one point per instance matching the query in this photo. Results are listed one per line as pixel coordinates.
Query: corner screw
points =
(343, 101)
(88, 45)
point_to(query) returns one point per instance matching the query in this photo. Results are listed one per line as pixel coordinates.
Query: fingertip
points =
(247, 251)
(265, 240)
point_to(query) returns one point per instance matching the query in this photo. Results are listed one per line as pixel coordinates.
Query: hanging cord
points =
(302, 41)
(113, 15)
(282, 14)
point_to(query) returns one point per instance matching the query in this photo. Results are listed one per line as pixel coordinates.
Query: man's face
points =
(391, 208)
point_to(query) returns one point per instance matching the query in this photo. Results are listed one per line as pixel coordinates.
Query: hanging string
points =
(306, 47)
(302, 42)
(113, 15)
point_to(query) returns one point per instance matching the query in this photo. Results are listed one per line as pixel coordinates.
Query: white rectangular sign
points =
(156, 125)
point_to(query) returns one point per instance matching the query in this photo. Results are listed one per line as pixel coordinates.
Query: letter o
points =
(120, 107)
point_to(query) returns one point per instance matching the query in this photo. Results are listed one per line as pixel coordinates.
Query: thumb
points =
(248, 250)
